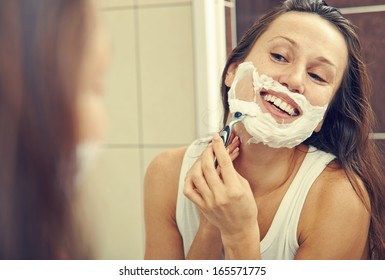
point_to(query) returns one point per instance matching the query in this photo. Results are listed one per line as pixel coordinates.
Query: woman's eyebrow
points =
(320, 59)
(324, 60)
(285, 38)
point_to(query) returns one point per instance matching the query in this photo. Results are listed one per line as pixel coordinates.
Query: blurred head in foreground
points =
(52, 55)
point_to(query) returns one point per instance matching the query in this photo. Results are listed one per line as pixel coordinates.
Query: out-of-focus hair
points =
(42, 43)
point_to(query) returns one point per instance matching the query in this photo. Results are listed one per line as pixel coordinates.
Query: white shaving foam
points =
(261, 125)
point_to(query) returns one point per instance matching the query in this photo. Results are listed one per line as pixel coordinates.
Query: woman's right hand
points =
(207, 243)
(233, 150)
(226, 200)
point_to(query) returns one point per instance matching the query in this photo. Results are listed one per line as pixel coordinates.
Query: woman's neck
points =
(267, 169)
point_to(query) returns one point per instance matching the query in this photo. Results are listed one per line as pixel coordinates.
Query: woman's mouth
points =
(279, 104)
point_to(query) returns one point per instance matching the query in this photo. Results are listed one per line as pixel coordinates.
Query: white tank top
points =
(280, 242)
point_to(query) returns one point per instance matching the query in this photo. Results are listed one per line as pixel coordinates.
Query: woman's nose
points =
(293, 78)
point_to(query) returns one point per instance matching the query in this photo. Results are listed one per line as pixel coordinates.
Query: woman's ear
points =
(319, 126)
(231, 74)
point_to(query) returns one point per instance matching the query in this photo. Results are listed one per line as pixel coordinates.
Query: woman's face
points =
(303, 52)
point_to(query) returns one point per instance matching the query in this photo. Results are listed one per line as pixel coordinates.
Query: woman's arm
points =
(207, 244)
(334, 223)
(163, 240)
(226, 201)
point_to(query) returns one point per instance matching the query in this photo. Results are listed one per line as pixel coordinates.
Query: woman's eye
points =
(278, 57)
(317, 78)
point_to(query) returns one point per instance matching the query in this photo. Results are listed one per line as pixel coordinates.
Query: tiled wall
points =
(151, 107)
(369, 18)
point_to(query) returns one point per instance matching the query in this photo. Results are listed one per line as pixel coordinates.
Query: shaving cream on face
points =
(262, 126)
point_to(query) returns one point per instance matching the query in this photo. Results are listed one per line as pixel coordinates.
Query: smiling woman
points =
(276, 116)
(314, 198)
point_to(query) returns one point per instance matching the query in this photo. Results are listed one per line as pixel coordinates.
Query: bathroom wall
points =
(150, 106)
(161, 90)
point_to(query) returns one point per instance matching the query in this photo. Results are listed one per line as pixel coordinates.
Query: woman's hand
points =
(233, 151)
(222, 195)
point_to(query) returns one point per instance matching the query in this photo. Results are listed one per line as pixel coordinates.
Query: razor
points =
(227, 131)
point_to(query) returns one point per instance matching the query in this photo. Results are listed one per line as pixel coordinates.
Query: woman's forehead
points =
(306, 26)
(310, 33)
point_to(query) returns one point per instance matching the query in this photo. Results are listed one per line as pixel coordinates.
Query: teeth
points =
(278, 102)
(281, 104)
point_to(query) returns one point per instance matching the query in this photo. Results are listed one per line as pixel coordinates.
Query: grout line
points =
(377, 136)
(164, 5)
(139, 100)
(140, 128)
(362, 9)
(140, 115)
(145, 6)
(228, 4)
(194, 66)
(143, 146)
(118, 8)
(138, 76)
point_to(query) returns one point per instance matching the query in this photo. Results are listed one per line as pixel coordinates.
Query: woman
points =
(52, 60)
(286, 191)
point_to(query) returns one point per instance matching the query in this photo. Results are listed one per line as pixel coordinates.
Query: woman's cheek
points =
(91, 117)
(318, 96)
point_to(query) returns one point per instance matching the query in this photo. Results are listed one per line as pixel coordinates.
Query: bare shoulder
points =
(162, 175)
(161, 181)
(333, 188)
(167, 164)
(335, 218)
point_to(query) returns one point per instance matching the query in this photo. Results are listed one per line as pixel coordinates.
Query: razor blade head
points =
(238, 114)
(228, 129)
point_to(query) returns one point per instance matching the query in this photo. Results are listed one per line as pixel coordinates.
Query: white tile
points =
(116, 3)
(166, 75)
(122, 92)
(112, 197)
(161, 2)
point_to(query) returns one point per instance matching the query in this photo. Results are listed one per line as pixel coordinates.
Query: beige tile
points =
(161, 2)
(166, 75)
(112, 197)
(116, 3)
(122, 93)
(149, 154)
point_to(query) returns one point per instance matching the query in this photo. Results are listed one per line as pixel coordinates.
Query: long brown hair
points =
(349, 120)
(41, 49)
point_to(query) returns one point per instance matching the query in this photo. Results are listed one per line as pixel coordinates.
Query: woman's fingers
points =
(192, 193)
(233, 145)
(210, 172)
(213, 175)
(233, 148)
(224, 160)
(196, 186)
(204, 180)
